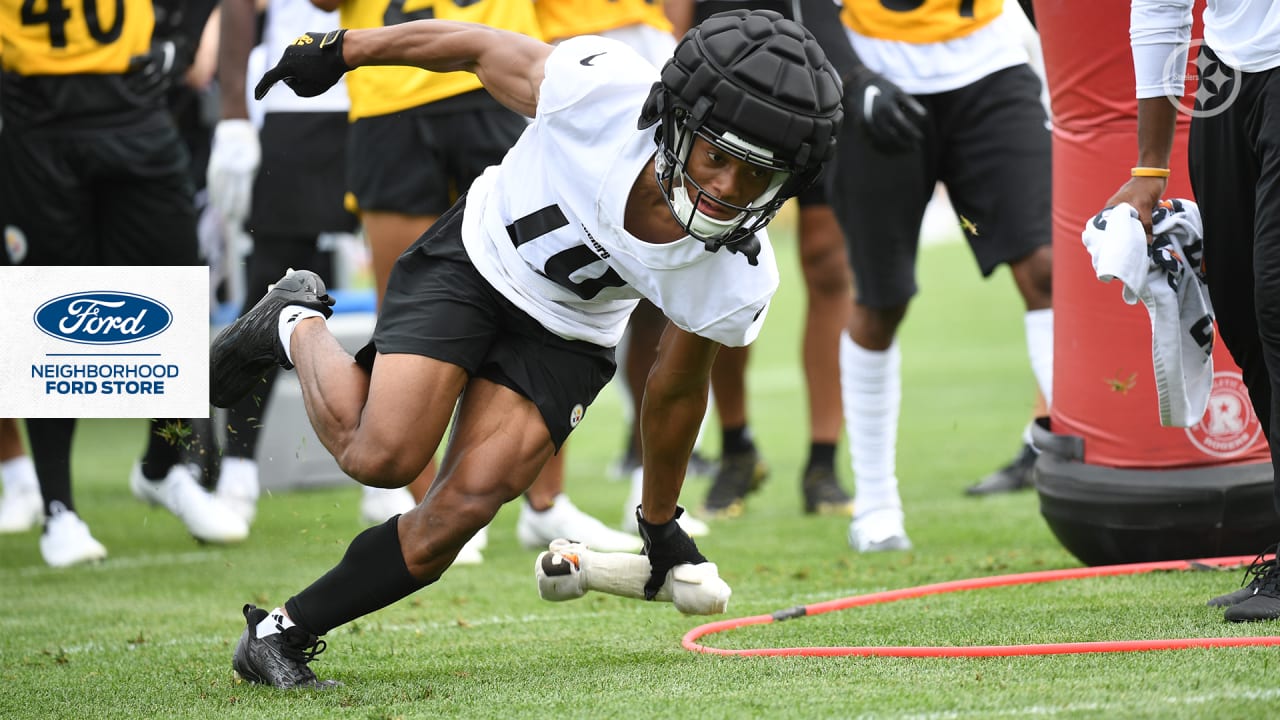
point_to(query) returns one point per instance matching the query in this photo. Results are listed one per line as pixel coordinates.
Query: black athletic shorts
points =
(418, 162)
(988, 143)
(97, 196)
(302, 178)
(438, 305)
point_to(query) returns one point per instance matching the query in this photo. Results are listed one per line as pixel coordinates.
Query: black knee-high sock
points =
(244, 419)
(50, 440)
(164, 446)
(371, 576)
(822, 454)
(736, 440)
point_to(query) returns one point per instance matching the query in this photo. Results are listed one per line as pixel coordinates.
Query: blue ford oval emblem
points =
(103, 318)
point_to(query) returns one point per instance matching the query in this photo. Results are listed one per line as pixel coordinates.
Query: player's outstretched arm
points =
(675, 399)
(510, 65)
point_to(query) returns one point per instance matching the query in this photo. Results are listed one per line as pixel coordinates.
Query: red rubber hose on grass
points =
(690, 639)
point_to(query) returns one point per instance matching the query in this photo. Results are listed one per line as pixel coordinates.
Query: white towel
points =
(1167, 277)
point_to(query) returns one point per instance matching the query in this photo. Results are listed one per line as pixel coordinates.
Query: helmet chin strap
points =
(713, 232)
(701, 224)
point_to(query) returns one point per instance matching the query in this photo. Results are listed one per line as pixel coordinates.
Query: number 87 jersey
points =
(73, 37)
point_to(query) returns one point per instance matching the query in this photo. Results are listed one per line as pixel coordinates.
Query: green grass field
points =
(149, 633)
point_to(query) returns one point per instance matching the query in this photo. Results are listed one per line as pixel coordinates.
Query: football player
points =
(628, 183)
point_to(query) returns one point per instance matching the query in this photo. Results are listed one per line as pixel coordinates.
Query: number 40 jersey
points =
(545, 227)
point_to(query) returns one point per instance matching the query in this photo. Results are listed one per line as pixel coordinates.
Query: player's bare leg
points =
(389, 234)
(829, 288)
(1033, 275)
(742, 471)
(382, 428)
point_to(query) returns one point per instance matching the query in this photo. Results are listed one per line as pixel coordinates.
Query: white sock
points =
(1039, 325)
(19, 474)
(239, 476)
(275, 622)
(290, 316)
(871, 387)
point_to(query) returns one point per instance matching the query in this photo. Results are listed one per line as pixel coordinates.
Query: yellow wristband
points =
(1150, 172)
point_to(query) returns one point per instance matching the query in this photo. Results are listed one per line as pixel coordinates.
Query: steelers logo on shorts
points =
(575, 415)
(15, 244)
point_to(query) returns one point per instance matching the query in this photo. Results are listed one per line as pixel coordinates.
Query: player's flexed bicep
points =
(509, 64)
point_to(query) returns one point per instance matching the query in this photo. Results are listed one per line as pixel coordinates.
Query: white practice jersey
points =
(1244, 33)
(931, 68)
(545, 227)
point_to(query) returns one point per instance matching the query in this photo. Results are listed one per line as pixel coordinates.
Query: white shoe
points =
(66, 540)
(21, 510)
(238, 487)
(692, 526)
(206, 517)
(471, 554)
(378, 505)
(878, 530)
(536, 530)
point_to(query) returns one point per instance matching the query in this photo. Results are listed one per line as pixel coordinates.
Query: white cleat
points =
(472, 553)
(564, 520)
(206, 517)
(378, 505)
(238, 487)
(878, 530)
(692, 526)
(66, 540)
(21, 510)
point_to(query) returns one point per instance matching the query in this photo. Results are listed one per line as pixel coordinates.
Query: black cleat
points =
(1017, 475)
(247, 348)
(823, 494)
(1255, 573)
(1258, 600)
(278, 660)
(739, 475)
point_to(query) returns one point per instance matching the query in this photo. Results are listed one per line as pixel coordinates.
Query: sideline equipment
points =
(567, 570)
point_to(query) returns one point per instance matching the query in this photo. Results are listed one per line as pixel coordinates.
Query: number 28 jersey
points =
(545, 227)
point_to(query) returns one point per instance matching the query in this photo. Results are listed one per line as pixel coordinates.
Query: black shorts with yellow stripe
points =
(419, 161)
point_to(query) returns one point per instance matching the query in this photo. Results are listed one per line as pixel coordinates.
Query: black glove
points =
(158, 69)
(310, 65)
(891, 118)
(667, 546)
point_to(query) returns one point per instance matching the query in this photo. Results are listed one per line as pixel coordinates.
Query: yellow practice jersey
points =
(561, 19)
(919, 21)
(380, 90)
(73, 37)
